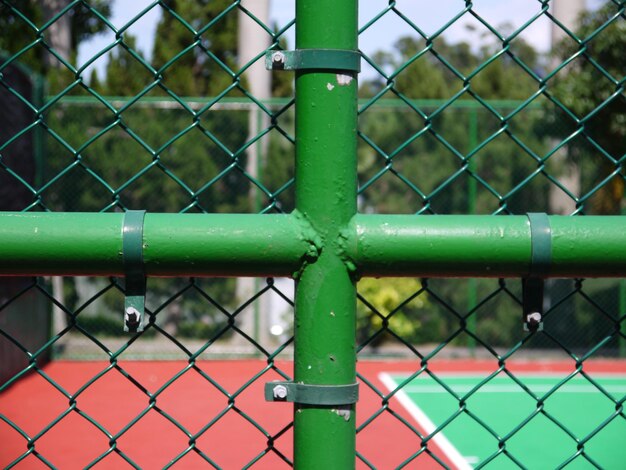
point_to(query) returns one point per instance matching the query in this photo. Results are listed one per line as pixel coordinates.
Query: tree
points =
(420, 154)
(204, 69)
(176, 149)
(125, 74)
(413, 158)
(591, 88)
(390, 305)
(18, 23)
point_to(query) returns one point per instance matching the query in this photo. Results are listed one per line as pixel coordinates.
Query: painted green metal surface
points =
(288, 245)
(314, 59)
(134, 272)
(174, 244)
(486, 246)
(593, 246)
(308, 394)
(60, 243)
(443, 245)
(228, 245)
(326, 120)
(323, 244)
(540, 244)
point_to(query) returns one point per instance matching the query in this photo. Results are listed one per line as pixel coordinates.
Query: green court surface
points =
(576, 417)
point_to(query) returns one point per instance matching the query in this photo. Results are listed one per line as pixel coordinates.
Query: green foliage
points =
(160, 156)
(101, 325)
(206, 69)
(597, 75)
(18, 34)
(19, 23)
(391, 303)
(137, 161)
(463, 158)
(591, 89)
(417, 163)
(199, 330)
(420, 72)
(191, 306)
(421, 79)
(125, 74)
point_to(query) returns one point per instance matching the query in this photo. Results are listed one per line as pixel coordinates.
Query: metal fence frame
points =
(325, 245)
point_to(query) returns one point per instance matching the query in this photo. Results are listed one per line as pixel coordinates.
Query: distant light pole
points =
(59, 38)
(59, 33)
(567, 13)
(253, 40)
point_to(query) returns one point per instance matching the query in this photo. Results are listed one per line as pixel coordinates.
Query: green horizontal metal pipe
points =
(277, 245)
(485, 246)
(174, 244)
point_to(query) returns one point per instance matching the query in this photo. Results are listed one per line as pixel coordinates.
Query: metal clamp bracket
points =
(338, 60)
(132, 255)
(308, 394)
(541, 258)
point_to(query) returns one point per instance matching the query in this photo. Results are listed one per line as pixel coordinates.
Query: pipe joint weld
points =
(344, 249)
(314, 241)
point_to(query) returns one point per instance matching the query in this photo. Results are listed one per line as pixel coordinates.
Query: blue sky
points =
(428, 15)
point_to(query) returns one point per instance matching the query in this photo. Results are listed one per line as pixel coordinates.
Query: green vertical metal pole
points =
(326, 119)
(471, 209)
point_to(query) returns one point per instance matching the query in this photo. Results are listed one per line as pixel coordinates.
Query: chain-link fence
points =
(492, 126)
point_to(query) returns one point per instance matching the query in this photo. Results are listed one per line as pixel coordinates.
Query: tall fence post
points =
(326, 121)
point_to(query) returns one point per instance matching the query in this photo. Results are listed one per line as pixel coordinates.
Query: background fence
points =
(444, 127)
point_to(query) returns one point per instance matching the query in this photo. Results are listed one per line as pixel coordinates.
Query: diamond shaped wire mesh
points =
(444, 128)
(153, 140)
(513, 154)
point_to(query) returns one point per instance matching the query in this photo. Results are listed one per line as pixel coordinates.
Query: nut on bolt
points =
(131, 316)
(280, 392)
(533, 319)
(278, 58)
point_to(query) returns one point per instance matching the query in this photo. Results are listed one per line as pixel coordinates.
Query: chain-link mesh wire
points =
(445, 127)
(557, 149)
(140, 141)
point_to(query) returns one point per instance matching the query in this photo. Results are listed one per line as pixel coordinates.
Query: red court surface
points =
(232, 441)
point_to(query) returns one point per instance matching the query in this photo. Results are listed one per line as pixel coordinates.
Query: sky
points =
(430, 16)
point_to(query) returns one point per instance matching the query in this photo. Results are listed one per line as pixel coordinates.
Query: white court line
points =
(416, 388)
(427, 425)
(525, 374)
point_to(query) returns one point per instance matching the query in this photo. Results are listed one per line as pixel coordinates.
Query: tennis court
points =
(312, 234)
(153, 424)
(493, 412)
